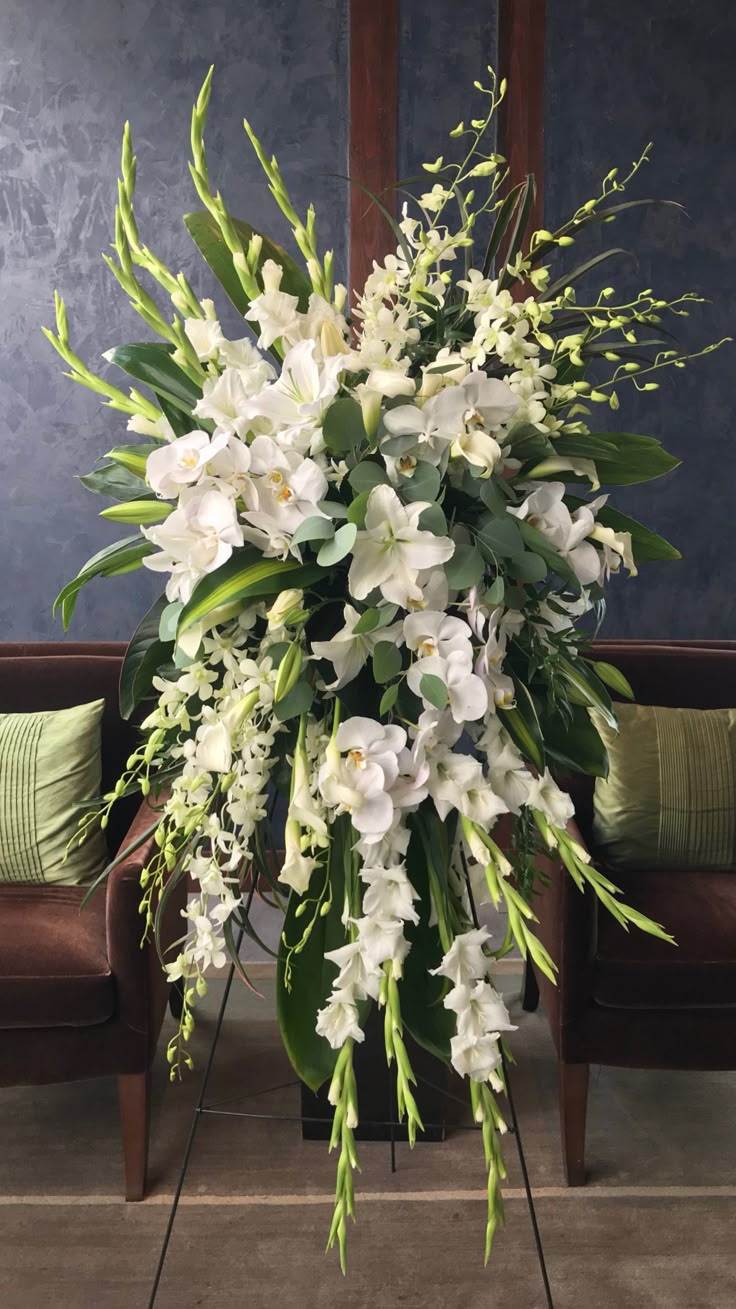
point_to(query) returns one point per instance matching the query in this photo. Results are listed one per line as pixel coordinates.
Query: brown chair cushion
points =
(54, 970)
(636, 971)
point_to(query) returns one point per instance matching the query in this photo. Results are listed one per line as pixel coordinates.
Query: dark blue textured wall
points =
(617, 77)
(72, 71)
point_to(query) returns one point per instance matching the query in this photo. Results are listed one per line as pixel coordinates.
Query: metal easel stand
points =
(218, 1108)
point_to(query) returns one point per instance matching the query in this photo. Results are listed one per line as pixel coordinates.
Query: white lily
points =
(348, 652)
(392, 549)
(213, 749)
(297, 867)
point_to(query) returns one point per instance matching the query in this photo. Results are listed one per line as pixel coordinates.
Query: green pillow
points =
(50, 764)
(670, 797)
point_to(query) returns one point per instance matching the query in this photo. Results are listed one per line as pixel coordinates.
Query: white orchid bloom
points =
(434, 427)
(479, 1008)
(182, 462)
(197, 538)
(467, 696)
(465, 962)
(348, 652)
(434, 591)
(430, 632)
(544, 509)
(225, 402)
(390, 894)
(338, 1021)
(457, 781)
(206, 337)
(231, 465)
(410, 787)
(477, 1057)
(287, 490)
(358, 783)
(392, 549)
(489, 402)
(368, 742)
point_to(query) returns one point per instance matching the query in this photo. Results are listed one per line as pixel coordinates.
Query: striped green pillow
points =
(50, 764)
(670, 797)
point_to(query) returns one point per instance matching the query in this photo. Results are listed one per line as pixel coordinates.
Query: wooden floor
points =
(656, 1226)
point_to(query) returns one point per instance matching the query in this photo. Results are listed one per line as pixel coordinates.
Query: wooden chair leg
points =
(573, 1109)
(530, 991)
(134, 1095)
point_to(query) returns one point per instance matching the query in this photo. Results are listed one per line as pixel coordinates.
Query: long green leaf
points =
(500, 226)
(246, 574)
(583, 679)
(522, 725)
(523, 212)
(312, 975)
(576, 273)
(599, 216)
(143, 658)
(576, 745)
(117, 483)
(151, 363)
(209, 240)
(120, 557)
(635, 459)
(648, 547)
(431, 1025)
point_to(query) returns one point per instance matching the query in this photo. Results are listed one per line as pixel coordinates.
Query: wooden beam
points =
(374, 64)
(521, 117)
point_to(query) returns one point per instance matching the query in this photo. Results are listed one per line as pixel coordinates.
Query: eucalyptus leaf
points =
(315, 528)
(169, 621)
(341, 544)
(386, 661)
(499, 537)
(434, 690)
(528, 567)
(388, 699)
(298, 701)
(358, 508)
(343, 428)
(465, 568)
(424, 483)
(432, 519)
(366, 475)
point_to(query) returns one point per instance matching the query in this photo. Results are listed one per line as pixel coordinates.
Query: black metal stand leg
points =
(193, 1132)
(527, 1187)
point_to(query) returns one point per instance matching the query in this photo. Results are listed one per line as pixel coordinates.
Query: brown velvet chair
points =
(79, 997)
(625, 998)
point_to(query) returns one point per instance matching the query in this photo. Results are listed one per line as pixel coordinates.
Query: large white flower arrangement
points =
(375, 568)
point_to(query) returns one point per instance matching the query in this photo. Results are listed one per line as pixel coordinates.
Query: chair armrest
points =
(141, 982)
(567, 928)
